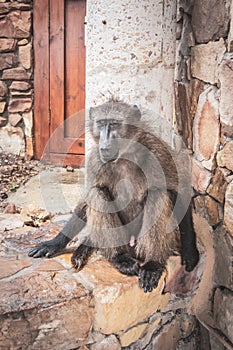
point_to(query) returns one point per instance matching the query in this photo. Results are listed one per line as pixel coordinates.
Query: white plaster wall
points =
(131, 54)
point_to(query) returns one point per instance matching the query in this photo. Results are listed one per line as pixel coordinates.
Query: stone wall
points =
(45, 304)
(16, 88)
(131, 55)
(204, 118)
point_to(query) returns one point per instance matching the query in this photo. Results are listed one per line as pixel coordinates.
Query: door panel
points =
(66, 85)
(74, 62)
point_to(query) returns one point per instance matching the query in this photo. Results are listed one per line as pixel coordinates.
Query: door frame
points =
(42, 113)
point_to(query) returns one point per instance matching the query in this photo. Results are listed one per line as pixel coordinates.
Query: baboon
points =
(131, 194)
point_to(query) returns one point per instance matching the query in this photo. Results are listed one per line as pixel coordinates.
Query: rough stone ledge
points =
(46, 304)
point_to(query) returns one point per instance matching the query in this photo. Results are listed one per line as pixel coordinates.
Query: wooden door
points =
(59, 80)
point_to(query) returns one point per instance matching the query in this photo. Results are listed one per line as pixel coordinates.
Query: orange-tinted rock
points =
(8, 60)
(10, 266)
(209, 209)
(218, 185)
(226, 89)
(7, 44)
(20, 105)
(16, 24)
(25, 55)
(20, 85)
(14, 119)
(225, 156)
(206, 128)
(228, 209)
(200, 177)
(205, 60)
(18, 73)
(3, 89)
(210, 20)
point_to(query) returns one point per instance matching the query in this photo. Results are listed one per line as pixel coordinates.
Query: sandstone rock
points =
(3, 89)
(12, 5)
(46, 309)
(110, 342)
(25, 55)
(223, 274)
(209, 209)
(206, 128)
(2, 106)
(113, 301)
(186, 99)
(20, 86)
(205, 59)
(228, 209)
(223, 312)
(184, 121)
(10, 266)
(192, 343)
(7, 44)
(8, 60)
(10, 209)
(28, 123)
(230, 34)
(13, 139)
(133, 334)
(196, 88)
(153, 325)
(3, 121)
(210, 19)
(20, 105)
(49, 265)
(218, 185)
(15, 93)
(14, 119)
(226, 90)
(22, 42)
(16, 74)
(178, 280)
(16, 24)
(167, 337)
(225, 156)
(48, 327)
(200, 177)
(226, 133)
(10, 222)
(29, 148)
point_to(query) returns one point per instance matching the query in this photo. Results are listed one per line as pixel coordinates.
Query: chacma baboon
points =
(131, 194)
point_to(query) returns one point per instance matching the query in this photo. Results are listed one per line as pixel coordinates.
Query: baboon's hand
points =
(190, 259)
(149, 275)
(47, 249)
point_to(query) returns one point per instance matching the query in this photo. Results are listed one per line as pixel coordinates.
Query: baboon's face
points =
(110, 132)
(110, 124)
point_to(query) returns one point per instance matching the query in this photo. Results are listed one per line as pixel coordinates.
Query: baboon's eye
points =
(115, 125)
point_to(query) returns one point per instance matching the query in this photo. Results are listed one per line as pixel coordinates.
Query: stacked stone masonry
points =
(45, 304)
(207, 63)
(16, 77)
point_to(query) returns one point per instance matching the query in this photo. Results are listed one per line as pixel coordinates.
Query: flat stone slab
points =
(55, 190)
(46, 304)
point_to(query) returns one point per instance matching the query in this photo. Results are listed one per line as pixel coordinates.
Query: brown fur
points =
(154, 242)
(127, 207)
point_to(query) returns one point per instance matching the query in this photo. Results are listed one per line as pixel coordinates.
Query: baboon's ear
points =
(136, 113)
(91, 113)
